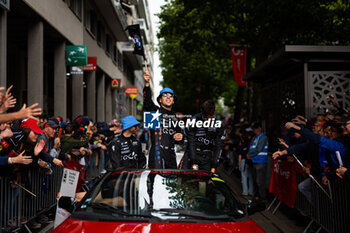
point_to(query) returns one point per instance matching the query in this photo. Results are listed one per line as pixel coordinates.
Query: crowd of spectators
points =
(320, 143)
(317, 148)
(30, 141)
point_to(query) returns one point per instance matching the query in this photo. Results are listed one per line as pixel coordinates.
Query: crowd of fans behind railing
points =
(30, 140)
(320, 143)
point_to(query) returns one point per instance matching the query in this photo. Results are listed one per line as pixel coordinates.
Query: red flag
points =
(238, 55)
(283, 183)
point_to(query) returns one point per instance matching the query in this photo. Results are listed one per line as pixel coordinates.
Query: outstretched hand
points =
(22, 159)
(30, 112)
(341, 171)
(282, 142)
(290, 125)
(39, 147)
(8, 100)
(278, 154)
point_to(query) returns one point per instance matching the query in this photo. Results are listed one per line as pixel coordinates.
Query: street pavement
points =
(285, 220)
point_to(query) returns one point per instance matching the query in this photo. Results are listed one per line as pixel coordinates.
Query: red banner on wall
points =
(283, 183)
(238, 55)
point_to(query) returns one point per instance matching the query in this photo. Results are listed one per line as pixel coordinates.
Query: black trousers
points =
(204, 162)
(260, 178)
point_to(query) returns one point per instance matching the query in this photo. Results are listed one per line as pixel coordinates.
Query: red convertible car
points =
(159, 201)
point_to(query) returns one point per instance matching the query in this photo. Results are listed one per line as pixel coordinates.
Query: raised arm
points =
(148, 103)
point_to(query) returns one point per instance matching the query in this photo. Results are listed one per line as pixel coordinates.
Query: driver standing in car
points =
(162, 152)
(205, 143)
(125, 149)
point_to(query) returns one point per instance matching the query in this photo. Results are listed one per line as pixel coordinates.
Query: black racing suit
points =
(205, 143)
(162, 153)
(126, 152)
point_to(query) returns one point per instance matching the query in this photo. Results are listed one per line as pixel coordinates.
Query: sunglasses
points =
(167, 94)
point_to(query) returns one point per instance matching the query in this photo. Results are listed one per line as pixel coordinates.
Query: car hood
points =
(75, 226)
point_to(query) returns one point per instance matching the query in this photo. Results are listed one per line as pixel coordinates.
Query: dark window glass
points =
(167, 195)
(93, 23)
(108, 44)
(115, 53)
(75, 6)
(99, 32)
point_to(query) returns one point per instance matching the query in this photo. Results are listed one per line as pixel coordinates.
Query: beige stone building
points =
(33, 39)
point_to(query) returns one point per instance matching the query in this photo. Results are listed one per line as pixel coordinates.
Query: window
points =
(108, 44)
(120, 60)
(115, 53)
(75, 6)
(87, 17)
(93, 23)
(101, 35)
(99, 32)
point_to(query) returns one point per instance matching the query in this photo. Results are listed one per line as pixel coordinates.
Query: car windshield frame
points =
(161, 195)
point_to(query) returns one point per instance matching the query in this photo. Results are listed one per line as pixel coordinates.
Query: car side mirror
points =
(66, 203)
(255, 206)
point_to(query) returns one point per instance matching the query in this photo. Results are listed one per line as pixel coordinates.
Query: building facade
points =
(33, 40)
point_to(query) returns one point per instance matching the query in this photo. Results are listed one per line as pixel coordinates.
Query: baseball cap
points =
(51, 123)
(31, 124)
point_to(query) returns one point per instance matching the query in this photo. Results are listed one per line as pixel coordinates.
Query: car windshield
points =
(164, 195)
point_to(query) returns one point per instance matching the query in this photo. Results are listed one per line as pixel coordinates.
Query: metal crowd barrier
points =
(18, 206)
(330, 213)
(95, 164)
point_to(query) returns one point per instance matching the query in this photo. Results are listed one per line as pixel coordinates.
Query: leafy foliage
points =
(195, 37)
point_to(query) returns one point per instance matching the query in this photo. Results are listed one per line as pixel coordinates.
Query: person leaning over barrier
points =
(344, 171)
(205, 143)
(125, 149)
(6, 133)
(162, 152)
(25, 139)
(304, 151)
(329, 145)
(31, 131)
(68, 142)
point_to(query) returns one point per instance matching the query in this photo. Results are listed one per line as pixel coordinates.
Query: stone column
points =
(21, 78)
(77, 95)
(60, 81)
(91, 94)
(3, 47)
(101, 98)
(36, 63)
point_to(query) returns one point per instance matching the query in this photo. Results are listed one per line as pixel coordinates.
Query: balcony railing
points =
(119, 10)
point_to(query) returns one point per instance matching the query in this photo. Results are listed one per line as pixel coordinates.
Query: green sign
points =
(76, 55)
